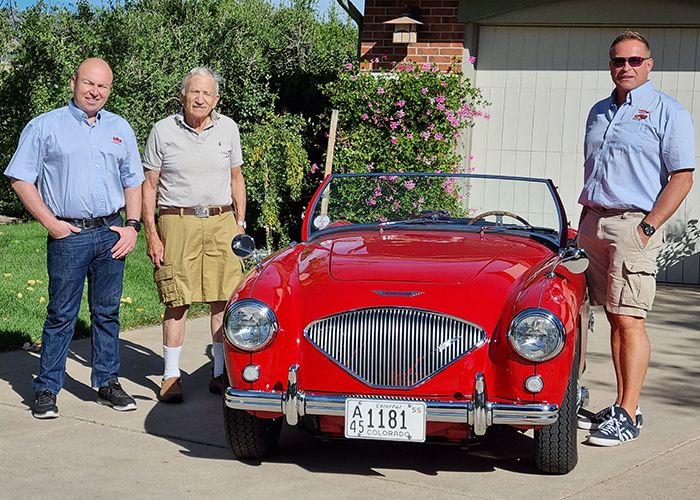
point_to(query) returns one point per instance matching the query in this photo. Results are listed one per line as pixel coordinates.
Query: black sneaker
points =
(44, 405)
(594, 422)
(113, 395)
(616, 430)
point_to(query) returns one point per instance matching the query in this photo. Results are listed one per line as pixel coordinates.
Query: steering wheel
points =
(496, 212)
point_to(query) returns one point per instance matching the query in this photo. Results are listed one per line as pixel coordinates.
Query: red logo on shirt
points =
(117, 141)
(642, 114)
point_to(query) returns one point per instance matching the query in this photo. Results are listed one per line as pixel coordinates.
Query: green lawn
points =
(24, 288)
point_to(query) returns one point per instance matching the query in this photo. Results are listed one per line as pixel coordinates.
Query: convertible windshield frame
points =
(323, 205)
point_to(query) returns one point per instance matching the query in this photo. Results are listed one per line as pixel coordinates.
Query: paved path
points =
(162, 451)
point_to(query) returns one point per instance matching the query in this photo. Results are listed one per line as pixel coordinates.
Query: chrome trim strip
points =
(479, 413)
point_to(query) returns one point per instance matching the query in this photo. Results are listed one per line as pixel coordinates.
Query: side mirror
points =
(243, 246)
(574, 259)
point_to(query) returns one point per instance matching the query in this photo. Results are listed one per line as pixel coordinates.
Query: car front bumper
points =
(479, 413)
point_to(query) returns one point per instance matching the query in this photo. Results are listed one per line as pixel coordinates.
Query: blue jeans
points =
(69, 261)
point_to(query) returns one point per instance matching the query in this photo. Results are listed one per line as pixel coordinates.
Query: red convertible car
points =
(419, 307)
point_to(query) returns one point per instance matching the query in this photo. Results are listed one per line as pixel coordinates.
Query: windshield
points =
(459, 201)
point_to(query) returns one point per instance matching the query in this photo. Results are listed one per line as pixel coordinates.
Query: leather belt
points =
(199, 212)
(614, 211)
(92, 223)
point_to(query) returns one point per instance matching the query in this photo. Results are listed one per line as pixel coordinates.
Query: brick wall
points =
(440, 37)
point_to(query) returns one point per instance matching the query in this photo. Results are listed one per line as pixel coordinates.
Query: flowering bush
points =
(403, 120)
(406, 119)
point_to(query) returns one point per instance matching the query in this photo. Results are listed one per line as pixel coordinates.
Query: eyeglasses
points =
(635, 62)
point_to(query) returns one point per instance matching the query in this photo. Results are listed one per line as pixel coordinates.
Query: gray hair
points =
(200, 71)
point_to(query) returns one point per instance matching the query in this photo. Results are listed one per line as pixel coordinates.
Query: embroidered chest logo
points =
(641, 114)
(116, 140)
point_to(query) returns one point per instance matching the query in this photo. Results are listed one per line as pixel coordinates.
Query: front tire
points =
(556, 444)
(249, 436)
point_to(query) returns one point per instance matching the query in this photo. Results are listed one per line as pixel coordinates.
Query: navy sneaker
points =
(113, 395)
(45, 405)
(594, 422)
(618, 429)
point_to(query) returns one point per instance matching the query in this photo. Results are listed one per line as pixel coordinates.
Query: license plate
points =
(385, 420)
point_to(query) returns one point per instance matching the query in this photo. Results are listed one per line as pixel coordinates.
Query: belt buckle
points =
(201, 212)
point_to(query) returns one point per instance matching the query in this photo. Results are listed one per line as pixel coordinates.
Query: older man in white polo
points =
(193, 165)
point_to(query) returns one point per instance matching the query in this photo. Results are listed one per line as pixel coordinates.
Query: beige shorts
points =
(622, 271)
(199, 265)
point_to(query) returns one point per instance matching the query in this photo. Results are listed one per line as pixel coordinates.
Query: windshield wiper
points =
(411, 222)
(535, 229)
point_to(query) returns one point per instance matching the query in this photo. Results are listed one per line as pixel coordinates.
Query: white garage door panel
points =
(542, 81)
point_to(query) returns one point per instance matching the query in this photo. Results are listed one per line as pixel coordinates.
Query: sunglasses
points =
(635, 62)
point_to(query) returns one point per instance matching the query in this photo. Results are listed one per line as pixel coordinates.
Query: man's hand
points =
(126, 243)
(61, 229)
(156, 250)
(645, 239)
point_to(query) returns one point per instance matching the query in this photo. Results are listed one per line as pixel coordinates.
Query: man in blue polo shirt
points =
(639, 160)
(75, 168)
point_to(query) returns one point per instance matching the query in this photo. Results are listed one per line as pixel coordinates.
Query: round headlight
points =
(250, 324)
(536, 334)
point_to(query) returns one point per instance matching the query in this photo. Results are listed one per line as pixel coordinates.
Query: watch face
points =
(647, 229)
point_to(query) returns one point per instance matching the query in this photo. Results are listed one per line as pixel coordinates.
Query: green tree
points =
(271, 59)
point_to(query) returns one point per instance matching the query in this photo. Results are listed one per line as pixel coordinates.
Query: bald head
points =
(91, 85)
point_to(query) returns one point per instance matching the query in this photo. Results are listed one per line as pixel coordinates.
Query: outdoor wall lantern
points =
(405, 26)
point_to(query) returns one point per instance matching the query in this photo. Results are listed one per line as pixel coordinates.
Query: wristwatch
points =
(242, 224)
(647, 228)
(133, 223)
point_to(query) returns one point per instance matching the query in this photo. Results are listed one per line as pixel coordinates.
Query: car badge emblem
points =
(387, 293)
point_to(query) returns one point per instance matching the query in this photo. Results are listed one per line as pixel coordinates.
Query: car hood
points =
(443, 258)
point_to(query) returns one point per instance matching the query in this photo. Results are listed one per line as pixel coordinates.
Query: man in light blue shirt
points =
(75, 168)
(639, 159)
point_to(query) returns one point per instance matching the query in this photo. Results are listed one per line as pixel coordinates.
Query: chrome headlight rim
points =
(265, 312)
(555, 323)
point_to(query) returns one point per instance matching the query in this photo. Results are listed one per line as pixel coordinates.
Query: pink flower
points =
(365, 116)
(400, 114)
(314, 167)
(393, 140)
(348, 66)
(472, 59)
(400, 104)
(425, 136)
(380, 90)
(438, 136)
(409, 184)
(371, 202)
(426, 66)
(424, 90)
(409, 136)
(471, 157)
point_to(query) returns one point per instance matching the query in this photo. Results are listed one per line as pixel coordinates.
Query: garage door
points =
(542, 81)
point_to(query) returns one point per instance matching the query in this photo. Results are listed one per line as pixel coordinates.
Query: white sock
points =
(171, 359)
(219, 363)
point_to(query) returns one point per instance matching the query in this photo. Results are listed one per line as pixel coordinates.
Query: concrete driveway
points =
(162, 451)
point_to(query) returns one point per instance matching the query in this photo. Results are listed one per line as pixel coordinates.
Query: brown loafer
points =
(171, 390)
(217, 384)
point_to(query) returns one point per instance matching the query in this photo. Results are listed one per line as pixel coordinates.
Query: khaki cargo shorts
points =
(199, 265)
(622, 271)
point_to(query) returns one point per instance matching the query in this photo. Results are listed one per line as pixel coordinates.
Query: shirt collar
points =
(180, 118)
(636, 95)
(81, 115)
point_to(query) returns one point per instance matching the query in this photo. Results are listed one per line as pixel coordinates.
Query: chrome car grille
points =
(393, 346)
